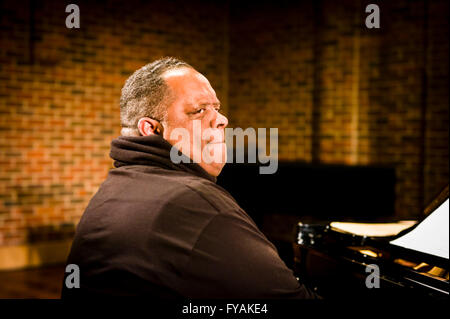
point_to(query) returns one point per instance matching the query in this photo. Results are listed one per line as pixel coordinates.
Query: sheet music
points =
(431, 236)
(373, 229)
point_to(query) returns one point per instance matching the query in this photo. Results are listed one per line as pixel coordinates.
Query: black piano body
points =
(334, 263)
(339, 264)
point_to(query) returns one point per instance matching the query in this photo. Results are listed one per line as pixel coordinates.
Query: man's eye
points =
(199, 111)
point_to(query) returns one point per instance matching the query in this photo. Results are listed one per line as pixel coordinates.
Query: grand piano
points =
(383, 260)
(330, 257)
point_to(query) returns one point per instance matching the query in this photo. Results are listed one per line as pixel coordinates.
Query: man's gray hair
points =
(146, 94)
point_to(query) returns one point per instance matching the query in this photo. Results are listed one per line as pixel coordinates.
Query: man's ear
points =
(148, 126)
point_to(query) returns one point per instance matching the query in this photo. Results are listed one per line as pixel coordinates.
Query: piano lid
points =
(431, 236)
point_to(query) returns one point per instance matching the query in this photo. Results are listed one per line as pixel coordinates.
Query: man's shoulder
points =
(206, 191)
(181, 194)
(170, 185)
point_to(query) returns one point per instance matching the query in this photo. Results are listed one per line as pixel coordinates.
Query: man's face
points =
(195, 109)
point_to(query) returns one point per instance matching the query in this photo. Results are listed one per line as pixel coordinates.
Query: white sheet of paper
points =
(373, 229)
(431, 236)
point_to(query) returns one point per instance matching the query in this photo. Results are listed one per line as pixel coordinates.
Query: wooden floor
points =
(40, 283)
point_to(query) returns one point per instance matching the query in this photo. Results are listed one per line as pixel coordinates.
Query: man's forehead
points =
(178, 72)
(192, 84)
(184, 75)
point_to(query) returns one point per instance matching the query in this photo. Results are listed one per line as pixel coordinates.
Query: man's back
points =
(166, 232)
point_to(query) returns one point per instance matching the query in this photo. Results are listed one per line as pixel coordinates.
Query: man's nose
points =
(219, 121)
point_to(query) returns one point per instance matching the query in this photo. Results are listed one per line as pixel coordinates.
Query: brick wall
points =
(338, 92)
(59, 91)
(437, 99)
(342, 93)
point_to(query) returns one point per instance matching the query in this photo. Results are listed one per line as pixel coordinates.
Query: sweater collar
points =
(151, 150)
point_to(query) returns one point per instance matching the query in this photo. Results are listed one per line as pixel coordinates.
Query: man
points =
(161, 227)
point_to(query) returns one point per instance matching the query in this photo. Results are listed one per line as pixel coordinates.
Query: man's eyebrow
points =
(206, 104)
(196, 106)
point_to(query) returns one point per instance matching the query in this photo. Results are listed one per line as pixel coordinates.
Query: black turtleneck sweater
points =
(160, 229)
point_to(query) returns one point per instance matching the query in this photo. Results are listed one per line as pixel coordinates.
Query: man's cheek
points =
(180, 139)
(211, 135)
(214, 153)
